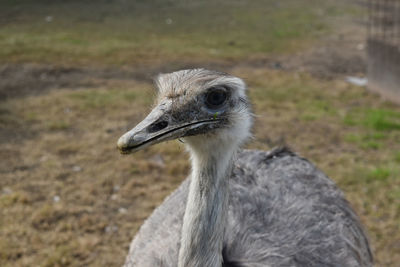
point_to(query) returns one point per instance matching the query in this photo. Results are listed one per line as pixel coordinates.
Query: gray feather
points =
(283, 211)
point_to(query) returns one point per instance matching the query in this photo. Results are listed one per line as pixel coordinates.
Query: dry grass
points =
(67, 198)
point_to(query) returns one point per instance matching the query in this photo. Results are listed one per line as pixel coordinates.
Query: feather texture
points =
(283, 211)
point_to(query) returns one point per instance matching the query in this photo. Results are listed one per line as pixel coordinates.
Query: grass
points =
(138, 33)
(378, 124)
(366, 140)
(376, 119)
(380, 174)
(67, 198)
(397, 156)
(97, 99)
(103, 197)
(87, 226)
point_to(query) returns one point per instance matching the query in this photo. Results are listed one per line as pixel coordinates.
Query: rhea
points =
(237, 207)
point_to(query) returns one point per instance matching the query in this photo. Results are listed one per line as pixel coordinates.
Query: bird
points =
(237, 207)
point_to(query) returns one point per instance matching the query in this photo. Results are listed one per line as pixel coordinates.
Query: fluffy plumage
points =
(283, 211)
(237, 208)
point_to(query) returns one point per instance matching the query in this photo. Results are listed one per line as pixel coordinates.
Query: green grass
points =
(378, 174)
(379, 124)
(367, 140)
(133, 32)
(375, 119)
(397, 157)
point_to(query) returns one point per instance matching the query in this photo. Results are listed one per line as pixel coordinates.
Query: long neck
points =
(206, 209)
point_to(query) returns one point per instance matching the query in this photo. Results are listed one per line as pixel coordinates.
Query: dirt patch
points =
(332, 62)
(29, 79)
(19, 80)
(337, 55)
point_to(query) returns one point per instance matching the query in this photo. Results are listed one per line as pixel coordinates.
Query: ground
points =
(74, 77)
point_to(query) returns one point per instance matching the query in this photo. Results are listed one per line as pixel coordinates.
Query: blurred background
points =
(75, 75)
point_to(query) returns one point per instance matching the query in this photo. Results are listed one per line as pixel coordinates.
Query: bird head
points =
(206, 109)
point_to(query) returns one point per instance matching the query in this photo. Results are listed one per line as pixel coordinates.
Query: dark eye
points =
(216, 97)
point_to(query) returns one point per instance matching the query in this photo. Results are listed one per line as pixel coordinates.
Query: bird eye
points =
(216, 97)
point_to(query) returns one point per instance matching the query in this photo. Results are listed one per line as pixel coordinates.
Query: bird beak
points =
(157, 127)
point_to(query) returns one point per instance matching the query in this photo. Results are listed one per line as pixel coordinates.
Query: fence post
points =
(384, 48)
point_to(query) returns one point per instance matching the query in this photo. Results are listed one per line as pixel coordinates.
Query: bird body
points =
(238, 207)
(284, 213)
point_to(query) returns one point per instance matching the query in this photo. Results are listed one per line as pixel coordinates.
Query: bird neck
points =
(206, 209)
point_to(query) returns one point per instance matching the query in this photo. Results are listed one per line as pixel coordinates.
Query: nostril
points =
(155, 127)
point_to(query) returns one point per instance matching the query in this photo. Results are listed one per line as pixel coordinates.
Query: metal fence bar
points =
(384, 47)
